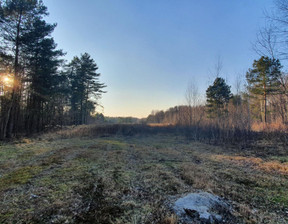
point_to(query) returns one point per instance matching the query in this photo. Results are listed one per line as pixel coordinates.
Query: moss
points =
(281, 199)
(60, 190)
(114, 143)
(279, 196)
(8, 152)
(5, 216)
(19, 176)
(282, 159)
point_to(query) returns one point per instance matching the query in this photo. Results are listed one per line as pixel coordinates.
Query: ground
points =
(136, 179)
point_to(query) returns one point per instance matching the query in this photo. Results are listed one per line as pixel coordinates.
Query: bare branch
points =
(266, 40)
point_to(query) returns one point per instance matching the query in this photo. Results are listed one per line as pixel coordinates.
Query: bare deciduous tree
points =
(273, 38)
(266, 41)
(217, 69)
(192, 100)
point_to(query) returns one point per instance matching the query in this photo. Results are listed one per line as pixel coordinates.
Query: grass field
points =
(118, 179)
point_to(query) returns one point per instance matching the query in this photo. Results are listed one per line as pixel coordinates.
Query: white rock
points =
(203, 203)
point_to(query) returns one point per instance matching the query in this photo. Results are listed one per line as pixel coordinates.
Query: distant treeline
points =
(263, 104)
(243, 110)
(123, 120)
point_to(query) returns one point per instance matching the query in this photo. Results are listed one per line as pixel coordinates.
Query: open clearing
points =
(135, 179)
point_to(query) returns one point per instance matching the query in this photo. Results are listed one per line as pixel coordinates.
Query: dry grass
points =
(159, 125)
(269, 127)
(272, 166)
(133, 179)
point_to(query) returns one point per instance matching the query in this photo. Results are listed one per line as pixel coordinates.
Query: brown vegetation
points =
(77, 176)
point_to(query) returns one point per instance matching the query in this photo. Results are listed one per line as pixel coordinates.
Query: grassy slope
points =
(134, 179)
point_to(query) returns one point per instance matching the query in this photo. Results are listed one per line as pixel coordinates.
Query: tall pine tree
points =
(264, 80)
(41, 74)
(16, 19)
(85, 87)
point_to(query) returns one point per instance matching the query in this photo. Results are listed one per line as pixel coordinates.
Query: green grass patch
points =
(279, 196)
(117, 144)
(18, 177)
(8, 152)
(281, 159)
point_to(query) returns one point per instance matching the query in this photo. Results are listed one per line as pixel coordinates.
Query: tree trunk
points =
(13, 110)
(265, 104)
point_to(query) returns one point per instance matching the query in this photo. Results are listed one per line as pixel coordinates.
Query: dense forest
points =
(39, 90)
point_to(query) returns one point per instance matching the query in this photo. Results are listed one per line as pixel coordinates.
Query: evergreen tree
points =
(41, 93)
(218, 96)
(85, 87)
(16, 19)
(264, 79)
(76, 89)
(41, 73)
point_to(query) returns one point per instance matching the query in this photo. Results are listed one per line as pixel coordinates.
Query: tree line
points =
(263, 101)
(261, 104)
(38, 89)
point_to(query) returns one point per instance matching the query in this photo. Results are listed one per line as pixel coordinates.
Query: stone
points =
(203, 207)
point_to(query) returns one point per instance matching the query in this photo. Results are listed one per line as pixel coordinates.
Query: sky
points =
(149, 51)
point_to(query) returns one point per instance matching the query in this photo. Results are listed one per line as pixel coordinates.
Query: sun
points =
(7, 80)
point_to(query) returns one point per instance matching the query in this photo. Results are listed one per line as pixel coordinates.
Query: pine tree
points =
(264, 79)
(41, 73)
(16, 18)
(76, 89)
(85, 87)
(218, 96)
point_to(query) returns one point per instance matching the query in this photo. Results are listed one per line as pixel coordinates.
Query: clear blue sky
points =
(148, 51)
